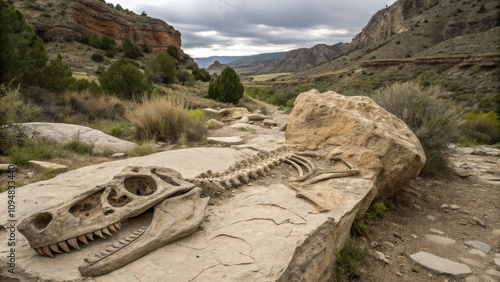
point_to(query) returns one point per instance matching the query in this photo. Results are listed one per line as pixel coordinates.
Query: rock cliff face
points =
(453, 20)
(216, 67)
(78, 17)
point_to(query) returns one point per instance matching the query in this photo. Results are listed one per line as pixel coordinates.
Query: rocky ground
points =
(441, 217)
(456, 219)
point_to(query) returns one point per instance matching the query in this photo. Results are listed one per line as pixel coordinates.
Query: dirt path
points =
(439, 217)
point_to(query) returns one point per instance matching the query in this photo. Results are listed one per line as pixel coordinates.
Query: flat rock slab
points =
(4, 167)
(479, 246)
(441, 240)
(226, 141)
(261, 233)
(63, 132)
(49, 166)
(441, 266)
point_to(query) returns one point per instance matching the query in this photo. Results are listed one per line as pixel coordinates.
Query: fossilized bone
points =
(178, 208)
(257, 166)
(178, 211)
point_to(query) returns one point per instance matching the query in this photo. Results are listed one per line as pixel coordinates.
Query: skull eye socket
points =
(140, 185)
(42, 220)
(87, 206)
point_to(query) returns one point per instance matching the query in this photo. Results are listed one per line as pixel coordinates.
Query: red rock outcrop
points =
(95, 17)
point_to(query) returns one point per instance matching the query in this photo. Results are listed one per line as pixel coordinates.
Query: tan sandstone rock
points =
(373, 140)
(231, 114)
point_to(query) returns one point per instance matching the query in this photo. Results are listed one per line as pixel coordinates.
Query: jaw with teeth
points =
(178, 211)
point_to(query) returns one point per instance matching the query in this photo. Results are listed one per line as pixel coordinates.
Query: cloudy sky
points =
(238, 27)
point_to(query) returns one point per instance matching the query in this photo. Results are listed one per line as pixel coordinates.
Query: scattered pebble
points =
(380, 256)
(414, 236)
(479, 222)
(399, 274)
(431, 217)
(388, 244)
(497, 261)
(477, 252)
(118, 155)
(374, 244)
(439, 239)
(445, 206)
(454, 207)
(417, 207)
(436, 231)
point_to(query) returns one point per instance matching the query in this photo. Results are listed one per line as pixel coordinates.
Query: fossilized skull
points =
(100, 211)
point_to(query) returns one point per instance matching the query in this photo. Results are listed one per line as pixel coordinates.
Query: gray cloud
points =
(261, 24)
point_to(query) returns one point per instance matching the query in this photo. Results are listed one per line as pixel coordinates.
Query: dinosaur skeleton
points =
(177, 204)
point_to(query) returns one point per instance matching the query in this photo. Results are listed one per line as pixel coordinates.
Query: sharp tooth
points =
(83, 239)
(106, 231)
(64, 246)
(112, 228)
(39, 250)
(73, 243)
(90, 236)
(99, 233)
(55, 248)
(47, 251)
(118, 225)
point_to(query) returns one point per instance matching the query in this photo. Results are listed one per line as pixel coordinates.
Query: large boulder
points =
(63, 132)
(360, 131)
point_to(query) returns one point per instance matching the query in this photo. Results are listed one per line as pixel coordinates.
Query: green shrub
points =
(164, 118)
(22, 52)
(107, 43)
(22, 155)
(96, 57)
(185, 76)
(145, 48)
(80, 85)
(434, 121)
(146, 148)
(483, 128)
(174, 52)
(160, 68)
(79, 147)
(113, 128)
(349, 261)
(123, 79)
(131, 50)
(227, 88)
(57, 75)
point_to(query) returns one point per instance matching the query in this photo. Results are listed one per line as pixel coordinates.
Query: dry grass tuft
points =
(165, 118)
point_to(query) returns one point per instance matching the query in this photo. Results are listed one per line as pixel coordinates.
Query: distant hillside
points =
(206, 62)
(453, 44)
(291, 61)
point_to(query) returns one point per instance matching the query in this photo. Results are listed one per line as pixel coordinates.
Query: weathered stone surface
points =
(373, 140)
(226, 141)
(440, 239)
(479, 246)
(231, 114)
(63, 132)
(439, 265)
(214, 124)
(497, 261)
(256, 117)
(270, 123)
(262, 233)
(49, 166)
(4, 167)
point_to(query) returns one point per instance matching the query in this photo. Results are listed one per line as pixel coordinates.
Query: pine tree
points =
(227, 87)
